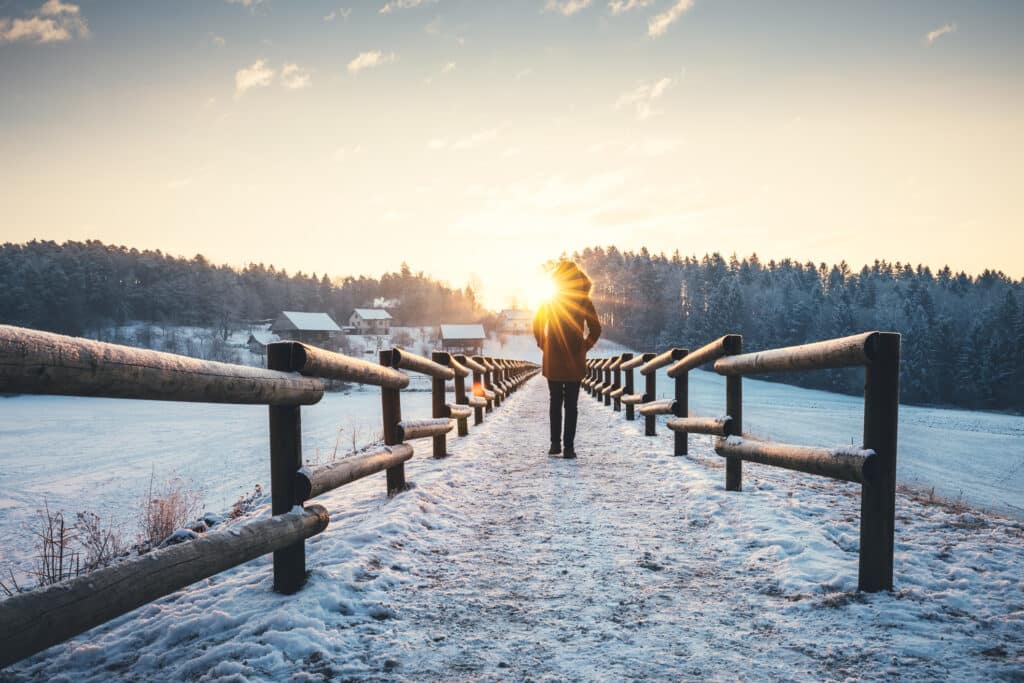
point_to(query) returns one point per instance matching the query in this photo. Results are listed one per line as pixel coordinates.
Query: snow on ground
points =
(972, 456)
(97, 454)
(505, 564)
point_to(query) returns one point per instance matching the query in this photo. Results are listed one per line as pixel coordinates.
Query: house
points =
(312, 328)
(467, 339)
(515, 321)
(258, 341)
(370, 321)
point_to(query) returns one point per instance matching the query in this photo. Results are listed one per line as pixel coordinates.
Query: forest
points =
(963, 336)
(80, 287)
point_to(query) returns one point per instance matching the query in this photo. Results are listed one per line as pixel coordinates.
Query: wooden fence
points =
(872, 465)
(35, 362)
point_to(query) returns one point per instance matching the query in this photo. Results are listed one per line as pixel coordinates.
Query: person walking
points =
(566, 327)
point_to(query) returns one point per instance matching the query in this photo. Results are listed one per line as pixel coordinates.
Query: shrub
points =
(167, 508)
(102, 544)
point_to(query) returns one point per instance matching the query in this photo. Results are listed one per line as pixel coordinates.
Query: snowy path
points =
(505, 564)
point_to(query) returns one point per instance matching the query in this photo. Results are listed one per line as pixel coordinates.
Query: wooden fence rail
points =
(872, 465)
(38, 362)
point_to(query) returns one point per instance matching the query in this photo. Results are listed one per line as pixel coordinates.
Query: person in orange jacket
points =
(565, 329)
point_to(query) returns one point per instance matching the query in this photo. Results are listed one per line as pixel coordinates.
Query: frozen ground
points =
(628, 564)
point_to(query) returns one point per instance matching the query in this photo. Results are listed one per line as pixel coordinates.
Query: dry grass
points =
(928, 497)
(167, 508)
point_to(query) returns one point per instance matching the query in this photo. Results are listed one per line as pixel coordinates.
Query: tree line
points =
(80, 288)
(963, 336)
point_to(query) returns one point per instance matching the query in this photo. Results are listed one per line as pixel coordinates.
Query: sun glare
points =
(539, 290)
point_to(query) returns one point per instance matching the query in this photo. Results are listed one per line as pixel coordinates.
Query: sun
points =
(539, 290)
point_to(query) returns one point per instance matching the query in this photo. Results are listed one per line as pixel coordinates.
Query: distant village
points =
(368, 330)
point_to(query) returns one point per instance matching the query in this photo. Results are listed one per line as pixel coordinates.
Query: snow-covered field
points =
(973, 457)
(505, 564)
(98, 454)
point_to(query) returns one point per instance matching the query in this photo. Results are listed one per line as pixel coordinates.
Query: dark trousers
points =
(567, 394)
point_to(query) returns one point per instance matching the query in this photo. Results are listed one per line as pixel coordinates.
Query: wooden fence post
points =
(878, 492)
(681, 445)
(650, 394)
(461, 399)
(438, 405)
(607, 382)
(492, 380)
(617, 384)
(285, 461)
(630, 410)
(478, 390)
(391, 411)
(734, 408)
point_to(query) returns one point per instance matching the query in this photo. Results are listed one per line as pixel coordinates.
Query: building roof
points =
(516, 314)
(472, 331)
(263, 337)
(310, 322)
(373, 314)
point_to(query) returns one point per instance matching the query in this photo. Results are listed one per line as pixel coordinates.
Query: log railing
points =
(36, 362)
(872, 465)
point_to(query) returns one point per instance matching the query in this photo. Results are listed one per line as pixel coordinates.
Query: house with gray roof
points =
(305, 326)
(370, 321)
(467, 338)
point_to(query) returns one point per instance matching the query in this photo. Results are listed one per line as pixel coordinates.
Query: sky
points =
(475, 139)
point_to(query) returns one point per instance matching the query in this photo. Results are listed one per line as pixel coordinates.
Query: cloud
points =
(566, 7)
(245, 3)
(659, 23)
(932, 36)
(218, 41)
(641, 98)
(435, 28)
(53, 22)
(393, 5)
(344, 13)
(620, 6)
(258, 75)
(448, 68)
(367, 60)
(55, 8)
(294, 77)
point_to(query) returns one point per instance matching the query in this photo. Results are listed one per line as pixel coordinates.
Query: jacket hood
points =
(571, 280)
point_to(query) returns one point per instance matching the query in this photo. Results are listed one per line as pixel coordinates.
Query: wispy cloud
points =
(620, 6)
(218, 41)
(393, 5)
(642, 98)
(367, 60)
(344, 13)
(257, 75)
(932, 36)
(435, 28)
(245, 3)
(659, 23)
(567, 7)
(294, 77)
(53, 22)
